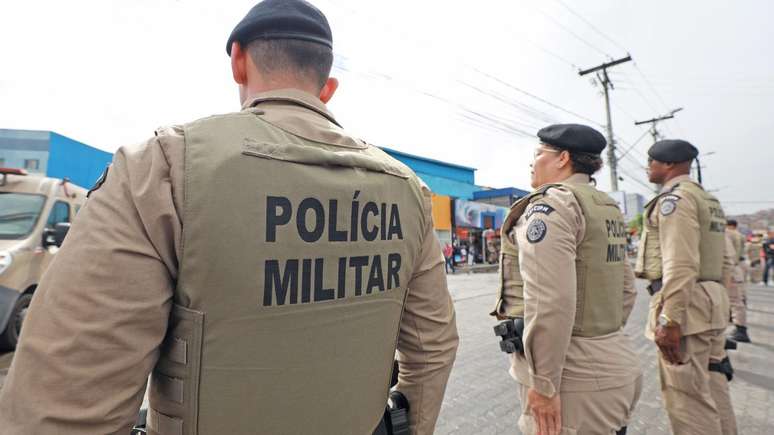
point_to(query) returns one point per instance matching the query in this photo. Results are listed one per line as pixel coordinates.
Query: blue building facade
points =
(441, 177)
(464, 214)
(52, 155)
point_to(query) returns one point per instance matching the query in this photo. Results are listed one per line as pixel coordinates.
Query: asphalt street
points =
(481, 398)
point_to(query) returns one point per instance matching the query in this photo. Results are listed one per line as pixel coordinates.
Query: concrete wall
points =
(16, 146)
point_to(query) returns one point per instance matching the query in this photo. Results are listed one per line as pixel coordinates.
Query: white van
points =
(35, 215)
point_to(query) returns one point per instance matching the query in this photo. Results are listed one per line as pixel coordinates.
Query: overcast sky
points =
(466, 82)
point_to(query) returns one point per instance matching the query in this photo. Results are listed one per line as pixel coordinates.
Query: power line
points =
(650, 85)
(631, 177)
(631, 147)
(544, 101)
(563, 27)
(535, 113)
(593, 27)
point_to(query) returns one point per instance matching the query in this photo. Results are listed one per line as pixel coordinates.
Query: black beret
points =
(282, 19)
(573, 137)
(672, 151)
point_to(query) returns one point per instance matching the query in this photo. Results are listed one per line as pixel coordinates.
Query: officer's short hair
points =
(308, 60)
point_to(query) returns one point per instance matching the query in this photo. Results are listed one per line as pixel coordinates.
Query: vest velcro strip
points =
(176, 350)
(163, 424)
(169, 388)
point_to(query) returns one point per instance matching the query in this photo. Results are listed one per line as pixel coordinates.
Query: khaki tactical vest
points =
(738, 239)
(599, 263)
(712, 225)
(295, 264)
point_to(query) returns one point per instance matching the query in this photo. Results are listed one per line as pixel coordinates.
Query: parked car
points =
(35, 215)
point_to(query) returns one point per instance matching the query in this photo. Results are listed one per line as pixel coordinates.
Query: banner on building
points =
(441, 212)
(478, 215)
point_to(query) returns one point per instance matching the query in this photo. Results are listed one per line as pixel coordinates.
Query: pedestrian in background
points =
(737, 294)
(768, 250)
(448, 255)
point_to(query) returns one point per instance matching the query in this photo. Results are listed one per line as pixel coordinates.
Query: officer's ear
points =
(564, 159)
(238, 64)
(327, 91)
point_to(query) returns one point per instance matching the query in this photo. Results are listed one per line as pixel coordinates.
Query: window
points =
(19, 213)
(2, 162)
(59, 213)
(32, 164)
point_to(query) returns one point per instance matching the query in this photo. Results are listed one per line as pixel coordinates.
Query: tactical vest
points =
(599, 264)
(712, 223)
(738, 243)
(296, 258)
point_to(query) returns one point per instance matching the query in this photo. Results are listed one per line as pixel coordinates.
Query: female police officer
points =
(565, 275)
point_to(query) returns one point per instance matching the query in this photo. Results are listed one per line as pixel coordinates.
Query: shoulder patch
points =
(536, 231)
(668, 206)
(100, 181)
(539, 208)
(671, 197)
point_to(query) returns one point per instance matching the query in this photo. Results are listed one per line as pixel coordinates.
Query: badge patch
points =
(540, 208)
(668, 207)
(99, 182)
(536, 231)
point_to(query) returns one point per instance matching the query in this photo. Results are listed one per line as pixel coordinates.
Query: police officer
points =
(737, 294)
(681, 253)
(565, 274)
(264, 265)
(753, 250)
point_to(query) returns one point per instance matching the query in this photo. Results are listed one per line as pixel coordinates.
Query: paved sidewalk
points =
(481, 398)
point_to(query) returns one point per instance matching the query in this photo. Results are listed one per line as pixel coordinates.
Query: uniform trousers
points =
(696, 399)
(601, 412)
(737, 296)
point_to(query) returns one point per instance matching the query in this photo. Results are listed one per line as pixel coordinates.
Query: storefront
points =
(476, 229)
(465, 215)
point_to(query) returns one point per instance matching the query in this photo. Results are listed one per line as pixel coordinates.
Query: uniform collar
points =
(578, 178)
(671, 183)
(291, 96)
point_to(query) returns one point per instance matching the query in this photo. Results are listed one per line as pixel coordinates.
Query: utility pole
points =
(653, 121)
(654, 131)
(612, 160)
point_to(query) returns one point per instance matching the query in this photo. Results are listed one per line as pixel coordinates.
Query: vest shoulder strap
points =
(518, 207)
(650, 205)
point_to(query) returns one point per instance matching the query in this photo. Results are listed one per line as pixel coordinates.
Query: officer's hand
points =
(668, 341)
(546, 411)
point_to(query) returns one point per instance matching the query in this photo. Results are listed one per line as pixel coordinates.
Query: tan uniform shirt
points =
(93, 331)
(679, 237)
(738, 240)
(730, 260)
(555, 360)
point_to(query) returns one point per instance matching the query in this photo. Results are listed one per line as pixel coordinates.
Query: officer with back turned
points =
(567, 289)
(681, 253)
(264, 265)
(737, 294)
